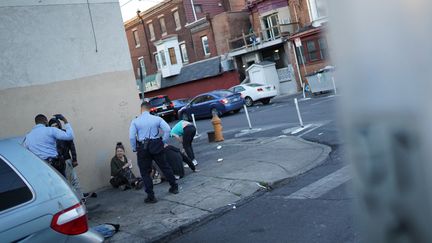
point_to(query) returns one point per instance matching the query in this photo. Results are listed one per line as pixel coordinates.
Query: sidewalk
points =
(247, 164)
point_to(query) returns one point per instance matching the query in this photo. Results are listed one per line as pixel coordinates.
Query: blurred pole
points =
(334, 86)
(247, 116)
(298, 112)
(383, 58)
(194, 122)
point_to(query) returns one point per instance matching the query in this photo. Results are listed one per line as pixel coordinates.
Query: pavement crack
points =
(272, 163)
(187, 205)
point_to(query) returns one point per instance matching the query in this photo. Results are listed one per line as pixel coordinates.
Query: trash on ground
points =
(219, 147)
(234, 207)
(258, 184)
(220, 160)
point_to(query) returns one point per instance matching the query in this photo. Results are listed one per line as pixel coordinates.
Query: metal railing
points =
(253, 39)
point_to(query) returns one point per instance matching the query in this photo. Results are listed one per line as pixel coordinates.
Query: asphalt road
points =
(314, 207)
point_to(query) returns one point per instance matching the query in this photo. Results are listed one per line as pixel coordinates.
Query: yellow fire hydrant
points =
(217, 127)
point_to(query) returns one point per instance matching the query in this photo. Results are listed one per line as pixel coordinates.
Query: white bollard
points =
(334, 86)
(247, 116)
(298, 112)
(193, 120)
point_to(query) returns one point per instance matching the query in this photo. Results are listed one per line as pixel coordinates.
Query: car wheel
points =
(185, 117)
(215, 111)
(265, 101)
(248, 101)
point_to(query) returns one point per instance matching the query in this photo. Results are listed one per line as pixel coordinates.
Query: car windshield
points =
(222, 93)
(159, 101)
(254, 85)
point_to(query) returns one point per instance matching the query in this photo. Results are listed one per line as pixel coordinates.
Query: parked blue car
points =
(178, 104)
(218, 101)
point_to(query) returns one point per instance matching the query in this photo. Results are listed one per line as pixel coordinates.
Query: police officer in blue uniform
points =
(42, 141)
(146, 140)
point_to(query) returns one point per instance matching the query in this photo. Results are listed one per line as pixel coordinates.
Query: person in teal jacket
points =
(185, 132)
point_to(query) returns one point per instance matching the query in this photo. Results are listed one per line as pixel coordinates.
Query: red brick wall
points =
(198, 47)
(192, 89)
(229, 25)
(210, 7)
(147, 47)
(299, 8)
(237, 5)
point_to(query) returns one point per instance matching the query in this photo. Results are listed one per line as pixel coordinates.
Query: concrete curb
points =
(177, 232)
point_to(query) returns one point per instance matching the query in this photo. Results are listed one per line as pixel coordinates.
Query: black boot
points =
(174, 189)
(150, 199)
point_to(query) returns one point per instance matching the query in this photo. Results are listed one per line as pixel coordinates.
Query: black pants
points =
(125, 177)
(189, 133)
(59, 164)
(145, 160)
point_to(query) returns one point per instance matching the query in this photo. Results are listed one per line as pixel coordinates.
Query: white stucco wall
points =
(51, 40)
(49, 65)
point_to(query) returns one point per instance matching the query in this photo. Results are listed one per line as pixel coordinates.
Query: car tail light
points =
(171, 105)
(161, 96)
(224, 101)
(260, 90)
(153, 109)
(71, 221)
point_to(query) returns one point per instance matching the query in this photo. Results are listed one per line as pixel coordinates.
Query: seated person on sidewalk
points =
(185, 132)
(175, 158)
(121, 174)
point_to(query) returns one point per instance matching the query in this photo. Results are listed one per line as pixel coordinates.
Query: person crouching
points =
(121, 173)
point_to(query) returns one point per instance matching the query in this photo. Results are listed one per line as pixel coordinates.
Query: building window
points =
(136, 38)
(313, 50)
(184, 54)
(177, 20)
(172, 55)
(198, 8)
(158, 66)
(205, 45)
(151, 30)
(271, 25)
(318, 9)
(163, 58)
(163, 26)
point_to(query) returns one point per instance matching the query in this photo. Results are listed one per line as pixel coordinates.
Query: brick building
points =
(169, 39)
(274, 25)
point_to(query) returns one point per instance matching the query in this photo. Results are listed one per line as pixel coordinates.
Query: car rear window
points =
(13, 190)
(222, 93)
(254, 85)
(159, 101)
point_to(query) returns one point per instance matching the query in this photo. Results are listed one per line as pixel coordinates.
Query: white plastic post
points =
(193, 120)
(334, 85)
(298, 112)
(247, 116)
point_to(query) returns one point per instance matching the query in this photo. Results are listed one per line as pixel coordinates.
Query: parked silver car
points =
(36, 203)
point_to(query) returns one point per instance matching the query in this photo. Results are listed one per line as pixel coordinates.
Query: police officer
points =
(149, 145)
(42, 141)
